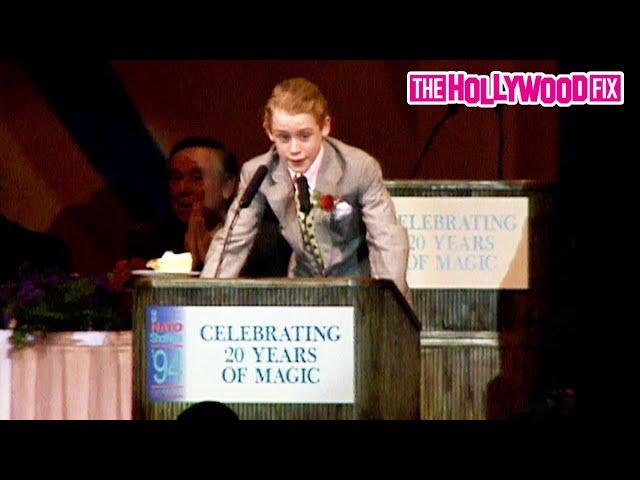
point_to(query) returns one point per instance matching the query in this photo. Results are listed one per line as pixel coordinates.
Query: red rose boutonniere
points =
(328, 203)
(324, 201)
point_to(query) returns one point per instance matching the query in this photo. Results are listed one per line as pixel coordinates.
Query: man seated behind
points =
(203, 177)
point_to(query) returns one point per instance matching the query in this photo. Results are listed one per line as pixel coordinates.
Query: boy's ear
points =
(326, 128)
(266, 129)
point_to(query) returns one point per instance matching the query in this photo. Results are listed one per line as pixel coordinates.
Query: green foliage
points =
(53, 301)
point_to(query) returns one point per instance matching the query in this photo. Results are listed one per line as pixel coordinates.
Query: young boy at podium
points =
(329, 198)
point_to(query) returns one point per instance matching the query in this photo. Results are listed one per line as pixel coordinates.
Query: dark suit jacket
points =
(151, 239)
(269, 256)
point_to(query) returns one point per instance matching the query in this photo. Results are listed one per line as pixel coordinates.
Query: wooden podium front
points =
(386, 342)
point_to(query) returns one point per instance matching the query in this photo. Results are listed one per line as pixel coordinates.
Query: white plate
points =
(153, 273)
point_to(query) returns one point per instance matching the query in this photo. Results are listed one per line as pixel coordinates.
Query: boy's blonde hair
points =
(294, 96)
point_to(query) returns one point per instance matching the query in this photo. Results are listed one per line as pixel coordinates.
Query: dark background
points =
(82, 143)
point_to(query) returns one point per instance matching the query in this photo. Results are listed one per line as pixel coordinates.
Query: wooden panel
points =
(481, 348)
(455, 381)
(387, 374)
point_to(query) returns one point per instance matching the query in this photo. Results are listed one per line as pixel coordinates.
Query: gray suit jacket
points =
(366, 241)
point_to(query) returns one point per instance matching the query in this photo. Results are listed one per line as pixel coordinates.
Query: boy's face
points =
(297, 137)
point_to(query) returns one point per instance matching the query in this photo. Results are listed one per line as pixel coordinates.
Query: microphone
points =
(246, 199)
(303, 194)
(499, 109)
(452, 110)
(253, 186)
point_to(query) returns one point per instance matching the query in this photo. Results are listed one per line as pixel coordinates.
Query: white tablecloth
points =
(68, 375)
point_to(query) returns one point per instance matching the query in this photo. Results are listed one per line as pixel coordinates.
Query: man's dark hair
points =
(229, 164)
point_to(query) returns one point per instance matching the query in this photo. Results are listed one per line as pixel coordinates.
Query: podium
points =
(483, 348)
(385, 344)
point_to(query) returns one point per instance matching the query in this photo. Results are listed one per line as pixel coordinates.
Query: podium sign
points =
(250, 354)
(466, 242)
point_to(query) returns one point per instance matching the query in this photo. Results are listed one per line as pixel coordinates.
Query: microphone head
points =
(253, 186)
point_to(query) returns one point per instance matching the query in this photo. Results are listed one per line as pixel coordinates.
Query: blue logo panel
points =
(165, 354)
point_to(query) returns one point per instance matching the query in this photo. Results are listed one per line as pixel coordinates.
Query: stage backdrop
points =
(82, 143)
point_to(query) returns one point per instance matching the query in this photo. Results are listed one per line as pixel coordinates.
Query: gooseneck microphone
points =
(451, 112)
(253, 186)
(246, 199)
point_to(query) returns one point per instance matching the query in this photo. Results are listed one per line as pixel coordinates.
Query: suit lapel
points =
(279, 194)
(327, 182)
(330, 171)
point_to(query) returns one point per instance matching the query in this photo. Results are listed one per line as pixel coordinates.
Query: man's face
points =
(195, 176)
(297, 137)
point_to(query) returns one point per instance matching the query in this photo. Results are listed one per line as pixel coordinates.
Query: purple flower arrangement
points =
(37, 302)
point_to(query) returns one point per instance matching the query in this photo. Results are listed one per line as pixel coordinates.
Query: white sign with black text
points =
(466, 242)
(252, 354)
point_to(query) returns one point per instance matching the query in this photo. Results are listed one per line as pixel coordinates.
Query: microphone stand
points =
(499, 109)
(226, 240)
(246, 199)
(452, 109)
